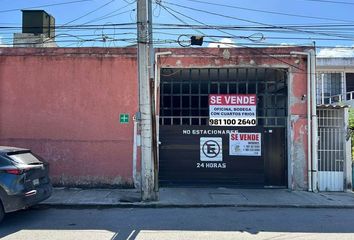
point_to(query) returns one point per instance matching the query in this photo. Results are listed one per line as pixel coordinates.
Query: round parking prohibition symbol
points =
(211, 149)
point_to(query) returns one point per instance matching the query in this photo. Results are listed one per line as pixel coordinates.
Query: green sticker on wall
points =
(124, 118)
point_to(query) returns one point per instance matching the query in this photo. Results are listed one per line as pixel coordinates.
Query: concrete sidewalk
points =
(199, 197)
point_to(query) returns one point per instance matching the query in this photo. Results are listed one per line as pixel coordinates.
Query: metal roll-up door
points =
(184, 130)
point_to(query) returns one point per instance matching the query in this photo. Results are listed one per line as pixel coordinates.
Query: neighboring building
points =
(334, 148)
(335, 81)
(33, 40)
(65, 104)
(75, 107)
(335, 90)
(38, 30)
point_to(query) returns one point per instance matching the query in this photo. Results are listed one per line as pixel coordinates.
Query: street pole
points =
(147, 160)
(153, 82)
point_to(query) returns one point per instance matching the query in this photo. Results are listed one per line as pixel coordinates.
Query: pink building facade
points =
(65, 104)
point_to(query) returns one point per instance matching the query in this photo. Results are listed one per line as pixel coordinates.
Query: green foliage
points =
(351, 118)
(351, 126)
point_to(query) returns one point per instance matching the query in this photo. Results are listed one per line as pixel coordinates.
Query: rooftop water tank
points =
(38, 22)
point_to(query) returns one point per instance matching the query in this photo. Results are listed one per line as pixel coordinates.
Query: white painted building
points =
(335, 81)
(335, 91)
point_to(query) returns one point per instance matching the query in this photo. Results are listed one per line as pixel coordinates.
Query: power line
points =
(328, 1)
(64, 35)
(327, 25)
(179, 19)
(244, 37)
(98, 19)
(89, 26)
(101, 51)
(86, 14)
(252, 49)
(269, 12)
(105, 39)
(131, 26)
(240, 37)
(77, 40)
(209, 26)
(41, 6)
(110, 15)
(251, 21)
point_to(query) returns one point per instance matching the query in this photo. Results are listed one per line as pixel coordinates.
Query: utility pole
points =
(148, 192)
(153, 82)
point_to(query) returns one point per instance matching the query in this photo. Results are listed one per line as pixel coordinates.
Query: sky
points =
(255, 23)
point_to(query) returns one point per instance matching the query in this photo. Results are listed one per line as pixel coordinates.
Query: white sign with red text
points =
(245, 144)
(232, 109)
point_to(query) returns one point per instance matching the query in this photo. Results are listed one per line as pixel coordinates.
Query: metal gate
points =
(331, 148)
(183, 118)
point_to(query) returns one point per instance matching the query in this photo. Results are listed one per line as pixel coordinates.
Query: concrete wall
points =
(64, 104)
(33, 40)
(266, 57)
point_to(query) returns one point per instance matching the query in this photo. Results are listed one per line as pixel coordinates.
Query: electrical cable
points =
(241, 37)
(249, 21)
(88, 13)
(156, 11)
(315, 26)
(77, 40)
(129, 1)
(169, 41)
(41, 6)
(253, 49)
(321, 29)
(328, 1)
(188, 35)
(348, 27)
(179, 19)
(110, 14)
(269, 12)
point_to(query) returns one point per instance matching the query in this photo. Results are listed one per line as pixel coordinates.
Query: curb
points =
(173, 205)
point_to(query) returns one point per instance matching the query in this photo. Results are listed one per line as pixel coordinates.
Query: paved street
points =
(182, 223)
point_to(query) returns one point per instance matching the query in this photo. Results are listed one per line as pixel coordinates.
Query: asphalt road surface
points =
(182, 223)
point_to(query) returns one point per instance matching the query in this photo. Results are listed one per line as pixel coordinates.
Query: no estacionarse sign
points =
(232, 109)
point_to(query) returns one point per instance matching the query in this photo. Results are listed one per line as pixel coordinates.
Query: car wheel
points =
(2, 212)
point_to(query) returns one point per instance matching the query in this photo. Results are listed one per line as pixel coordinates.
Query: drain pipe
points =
(309, 127)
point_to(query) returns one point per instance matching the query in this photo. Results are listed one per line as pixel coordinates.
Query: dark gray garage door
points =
(186, 136)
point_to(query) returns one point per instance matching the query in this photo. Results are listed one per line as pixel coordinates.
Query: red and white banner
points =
(232, 109)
